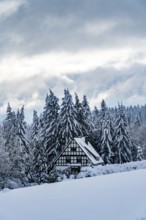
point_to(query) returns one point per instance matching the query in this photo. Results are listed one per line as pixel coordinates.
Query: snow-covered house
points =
(78, 153)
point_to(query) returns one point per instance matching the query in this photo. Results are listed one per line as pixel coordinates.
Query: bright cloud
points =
(24, 80)
(50, 64)
(99, 28)
(91, 47)
(9, 7)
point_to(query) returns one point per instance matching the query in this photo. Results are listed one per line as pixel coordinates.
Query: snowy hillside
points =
(111, 168)
(119, 196)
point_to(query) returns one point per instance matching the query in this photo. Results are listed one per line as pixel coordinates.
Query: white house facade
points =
(78, 153)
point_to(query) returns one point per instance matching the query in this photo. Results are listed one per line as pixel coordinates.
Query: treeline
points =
(27, 152)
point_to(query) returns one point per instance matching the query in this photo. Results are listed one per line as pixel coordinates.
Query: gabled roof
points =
(89, 151)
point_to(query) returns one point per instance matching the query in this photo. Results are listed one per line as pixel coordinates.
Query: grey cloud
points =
(127, 85)
(48, 25)
(21, 91)
(41, 26)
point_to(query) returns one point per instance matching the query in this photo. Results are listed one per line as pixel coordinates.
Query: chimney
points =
(86, 140)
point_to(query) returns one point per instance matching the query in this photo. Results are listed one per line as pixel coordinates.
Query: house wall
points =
(73, 154)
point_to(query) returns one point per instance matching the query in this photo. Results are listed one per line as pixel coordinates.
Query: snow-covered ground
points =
(111, 168)
(119, 196)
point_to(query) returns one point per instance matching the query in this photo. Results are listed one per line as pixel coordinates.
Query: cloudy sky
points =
(97, 48)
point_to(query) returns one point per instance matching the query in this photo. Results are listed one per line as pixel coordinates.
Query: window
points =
(61, 161)
(79, 160)
(73, 149)
(68, 160)
(75, 170)
(73, 159)
(84, 161)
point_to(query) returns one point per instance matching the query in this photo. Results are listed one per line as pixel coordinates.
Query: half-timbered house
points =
(78, 153)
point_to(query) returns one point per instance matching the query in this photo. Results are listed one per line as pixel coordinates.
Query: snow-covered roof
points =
(89, 151)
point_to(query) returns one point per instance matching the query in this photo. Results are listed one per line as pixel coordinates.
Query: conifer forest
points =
(28, 151)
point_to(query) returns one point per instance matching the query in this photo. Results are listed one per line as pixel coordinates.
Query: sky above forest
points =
(97, 48)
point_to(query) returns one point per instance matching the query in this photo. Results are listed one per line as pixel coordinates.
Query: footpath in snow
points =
(119, 196)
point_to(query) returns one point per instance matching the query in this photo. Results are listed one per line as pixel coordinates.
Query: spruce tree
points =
(87, 124)
(13, 144)
(137, 122)
(134, 151)
(10, 131)
(106, 140)
(100, 131)
(80, 116)
(35, 126)
(103, 109)
(5, 165)
(139, 153)
(95, 117)
(68, 124)
(22, 130)
(49, 131)
(46, 143)
(96, 134)
(122, 142)
(33, 137)
(40, 164)
(22, 143)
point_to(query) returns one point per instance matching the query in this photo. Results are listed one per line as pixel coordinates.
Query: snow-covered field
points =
(119, 196)
(111, 168)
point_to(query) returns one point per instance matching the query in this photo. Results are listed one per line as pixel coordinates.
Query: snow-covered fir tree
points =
(95, 118)
(22, 142)
(137, 122)
(103, 109)
(86, 109)
(22, 130)
(122, 143)
(5, 165)
(102, 118)
(96, 133)
(14, 143)
(78, 107)
(106, 139)
(35, 127)
(139, 153)
(40, 164)
(49, 131)
(33, 137)
(87, 124)
(68, 125)
(80, 116)
(10, 131)
(45, 149)
(28, 152)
